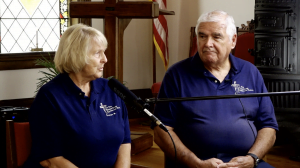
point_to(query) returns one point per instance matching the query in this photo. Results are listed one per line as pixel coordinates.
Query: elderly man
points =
(221, 133)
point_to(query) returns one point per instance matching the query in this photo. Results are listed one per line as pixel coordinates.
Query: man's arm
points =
(264, 141)
(123, 158)
(184, 155)
(57, 162)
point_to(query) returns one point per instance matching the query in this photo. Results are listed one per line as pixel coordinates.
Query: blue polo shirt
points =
(211, 128)
(86, 131)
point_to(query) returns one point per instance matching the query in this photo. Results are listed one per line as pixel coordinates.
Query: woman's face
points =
(94, 69)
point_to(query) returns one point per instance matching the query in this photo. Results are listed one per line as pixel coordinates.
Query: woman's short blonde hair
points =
(73, 52)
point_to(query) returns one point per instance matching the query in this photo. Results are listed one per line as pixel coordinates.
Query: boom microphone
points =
(132, 100)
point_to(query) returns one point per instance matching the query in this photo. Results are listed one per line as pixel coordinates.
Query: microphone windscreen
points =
(124, 93)
(131, 99)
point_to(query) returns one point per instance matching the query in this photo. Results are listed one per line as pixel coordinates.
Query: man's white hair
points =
(218, 16)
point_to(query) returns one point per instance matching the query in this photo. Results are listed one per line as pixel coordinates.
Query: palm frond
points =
(48, 76)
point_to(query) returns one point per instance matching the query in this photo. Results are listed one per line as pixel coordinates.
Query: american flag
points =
(160, 34)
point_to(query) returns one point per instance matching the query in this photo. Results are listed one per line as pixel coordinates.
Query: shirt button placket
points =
(88, 107)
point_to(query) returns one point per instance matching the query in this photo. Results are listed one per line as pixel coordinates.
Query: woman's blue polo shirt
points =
(214, 127)
(86, 131)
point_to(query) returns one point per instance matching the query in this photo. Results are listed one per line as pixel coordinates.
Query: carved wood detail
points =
(246, 28)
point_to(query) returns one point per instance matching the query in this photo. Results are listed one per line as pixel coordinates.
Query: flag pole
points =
(153, 56)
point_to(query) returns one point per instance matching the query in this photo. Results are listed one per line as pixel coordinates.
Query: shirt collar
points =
(197, 64)
(235, 64)
(68, 84)
(71, 88)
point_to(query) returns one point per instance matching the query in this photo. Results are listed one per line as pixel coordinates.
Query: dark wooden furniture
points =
(193, 42)
(248, 31)
(152, 157)
(26, 60)
(244, 47)
(18, 143)
(86, 21)
(155, 89)
(140, 141)
(249, 28)
(137, 166)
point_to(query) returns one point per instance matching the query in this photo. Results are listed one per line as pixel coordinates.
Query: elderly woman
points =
(75, 119)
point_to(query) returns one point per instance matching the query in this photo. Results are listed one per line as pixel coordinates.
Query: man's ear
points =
(234, 40)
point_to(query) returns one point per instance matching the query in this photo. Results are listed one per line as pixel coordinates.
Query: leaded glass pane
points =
(26, 24)
(37, 14)
(23, 14)
(17, 7)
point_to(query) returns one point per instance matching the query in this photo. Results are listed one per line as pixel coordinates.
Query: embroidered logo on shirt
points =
(239, 88)
(109, 109)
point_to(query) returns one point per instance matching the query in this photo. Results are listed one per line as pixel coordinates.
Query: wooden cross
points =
(117, 15)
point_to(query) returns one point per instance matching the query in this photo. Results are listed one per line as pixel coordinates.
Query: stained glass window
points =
(27, 24)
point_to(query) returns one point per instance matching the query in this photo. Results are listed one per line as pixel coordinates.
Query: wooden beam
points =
(165, 12)
(123, 23)
(110, 30)
(121, 9)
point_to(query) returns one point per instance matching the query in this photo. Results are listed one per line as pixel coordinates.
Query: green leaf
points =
(48, 76)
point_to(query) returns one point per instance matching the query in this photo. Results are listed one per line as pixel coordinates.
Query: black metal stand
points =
(154, 100)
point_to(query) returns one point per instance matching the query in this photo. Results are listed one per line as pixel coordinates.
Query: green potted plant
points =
(48, 75)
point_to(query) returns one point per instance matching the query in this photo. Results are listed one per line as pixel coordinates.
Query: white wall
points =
(16, 84)
(137, 45)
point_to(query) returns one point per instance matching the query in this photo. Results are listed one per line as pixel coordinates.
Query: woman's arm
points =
(57, 162)
(123, 158)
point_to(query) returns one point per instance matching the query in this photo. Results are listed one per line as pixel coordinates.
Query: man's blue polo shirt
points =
(86, 131)
(212, 127)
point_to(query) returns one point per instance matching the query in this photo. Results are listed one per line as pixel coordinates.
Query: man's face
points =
(214, 44)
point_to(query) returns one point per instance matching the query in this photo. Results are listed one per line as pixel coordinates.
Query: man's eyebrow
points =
(218, 34)
(201, 33)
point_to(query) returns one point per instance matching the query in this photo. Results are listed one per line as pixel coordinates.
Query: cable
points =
(247, 118)
(175, 157)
